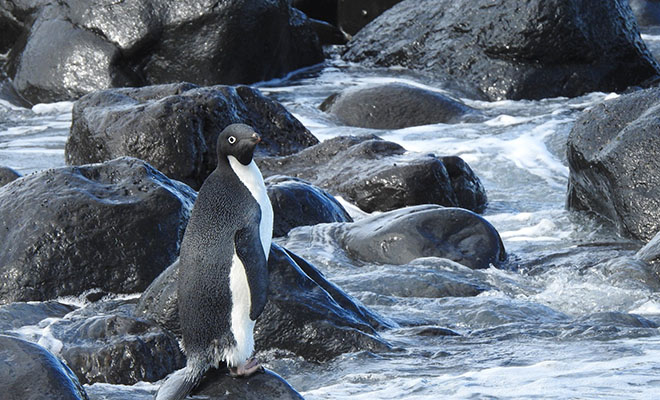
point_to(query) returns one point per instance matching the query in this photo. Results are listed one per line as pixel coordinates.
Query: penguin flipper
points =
(179, 385)
(251, 254)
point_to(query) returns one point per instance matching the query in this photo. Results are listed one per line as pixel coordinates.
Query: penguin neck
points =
(251, 177)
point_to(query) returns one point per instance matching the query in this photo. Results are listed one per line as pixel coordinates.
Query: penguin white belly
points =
(251, 177)
(242, 327)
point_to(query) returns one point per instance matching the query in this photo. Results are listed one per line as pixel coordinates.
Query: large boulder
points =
(30, 372)
(113, 226)
(62, 50)
(298, 203)
(377, 175)
(305, 314)
(393, 106)
(175, 127)
(614, 168)
(517, 49)
(218, 385)
(398, 237)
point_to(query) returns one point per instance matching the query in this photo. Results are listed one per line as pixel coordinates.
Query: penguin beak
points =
(256, 138)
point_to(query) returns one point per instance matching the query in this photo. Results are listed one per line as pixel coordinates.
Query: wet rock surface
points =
(305, 314)
(19, 314)
(8, 175)
(614, 171)
(298, 203)
(376, 174)
(62, 50)
(30, 372)
(217, 385)
(394, 106)
(511, 49)
(175, 127)
(113, 226)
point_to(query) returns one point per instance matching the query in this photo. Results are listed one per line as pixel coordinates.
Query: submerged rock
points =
(298, 203)
(393, 106)
(400, 236)
(305, 314)
(614, 168)
(175, 127)
(19, 314)
(8, 175)
(377, 175)
(518, 49)
(113, 226)
(30, 372)
(216, 385)
(62, 50)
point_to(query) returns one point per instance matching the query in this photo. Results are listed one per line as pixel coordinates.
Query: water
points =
(568, 317)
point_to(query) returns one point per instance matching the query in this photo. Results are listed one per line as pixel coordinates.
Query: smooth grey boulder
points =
(394, 106)
(400, 236)
(305, 314)
(112, 226)
(218, 385)
(516, 49)
(299, 203)
(8, 175)
(30, 372)
(63, 50)
(175, 127)
(614, 168)
(378, 175)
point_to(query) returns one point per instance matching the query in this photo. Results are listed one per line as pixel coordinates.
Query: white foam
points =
(53, 108)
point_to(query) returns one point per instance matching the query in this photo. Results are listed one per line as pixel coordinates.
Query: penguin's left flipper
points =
(251, 254)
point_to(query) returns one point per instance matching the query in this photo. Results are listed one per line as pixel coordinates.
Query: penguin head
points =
(238, 140)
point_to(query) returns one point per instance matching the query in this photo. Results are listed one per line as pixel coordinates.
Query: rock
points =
(614, 170)
(175, 127)
(375, 174)
(324, 10)
(353, 15)
(400, 236)
(647, 12)
(217, 385)
(30, 372)
(517, 49)
(17, 315)
(8, 175)
(469, 191)
(113, 226)
(111, 346)
(305, 314)
(650, 253)
(298, 203)
(393, 106)
(76, 47)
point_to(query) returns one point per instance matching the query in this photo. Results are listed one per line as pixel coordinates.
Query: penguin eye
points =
(231, 140)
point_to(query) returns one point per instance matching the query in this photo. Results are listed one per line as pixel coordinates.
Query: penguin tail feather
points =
(179, 384)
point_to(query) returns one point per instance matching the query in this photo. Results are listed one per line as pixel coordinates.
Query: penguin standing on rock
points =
(223, 266)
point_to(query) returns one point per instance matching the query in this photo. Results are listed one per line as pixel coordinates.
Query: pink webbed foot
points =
(248, 369)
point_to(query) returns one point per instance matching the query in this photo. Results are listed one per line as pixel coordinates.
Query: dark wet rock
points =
(75, 47)
(612, 318)
(469, 191)
(515, 49)
(8, 175)
(647, 12)
(113, 226)
(650, 253)
(299, 203)
(328, 33)
(175, 127)
(431, 331)
(375, 174)
(614, 168)
(353, 15)
(400, 236)
(610, 326)
(111, 346)
(30, 372)
(393, 106)
(305, 314)
(217, 385)
(19, 314)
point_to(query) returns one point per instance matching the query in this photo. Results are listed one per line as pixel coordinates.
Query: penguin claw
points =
(246, 370)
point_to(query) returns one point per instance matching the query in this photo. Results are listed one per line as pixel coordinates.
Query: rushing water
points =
(568, 318)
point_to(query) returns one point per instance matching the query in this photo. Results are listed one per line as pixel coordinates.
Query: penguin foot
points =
(248, 369)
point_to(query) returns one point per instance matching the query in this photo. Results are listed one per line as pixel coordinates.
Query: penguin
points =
(223, 266)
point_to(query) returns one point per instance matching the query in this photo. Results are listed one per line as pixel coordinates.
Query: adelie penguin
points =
(223, 266)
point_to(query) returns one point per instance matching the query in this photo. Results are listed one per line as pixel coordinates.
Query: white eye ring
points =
(231, 140)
